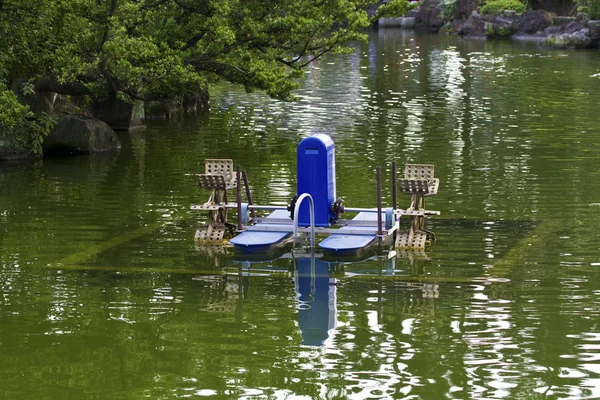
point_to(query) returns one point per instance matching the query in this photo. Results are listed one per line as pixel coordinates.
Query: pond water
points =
(105, 295)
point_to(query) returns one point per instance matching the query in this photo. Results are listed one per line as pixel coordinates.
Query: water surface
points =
(105, 295)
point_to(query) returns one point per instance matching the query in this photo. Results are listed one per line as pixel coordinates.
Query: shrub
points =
(594, 9)
(447, 8)
(498, 6)
(395, 9)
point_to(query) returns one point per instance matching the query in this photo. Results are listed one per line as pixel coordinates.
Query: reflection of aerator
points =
(316, 300)
(316, 208)
(315, 284)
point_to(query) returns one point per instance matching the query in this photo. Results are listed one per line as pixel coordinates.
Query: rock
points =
(435, 21)
(80, 134)
(408, 22)
(464, 9)
(118, 114)
(594, 27)
(509, 13)
(576, 40)
(404, 22)
(162, 109)
(561, 20)
(573, 27)
(38, 102)
(499, 27)
(426, 9)
(412, 13)
(582, 17)
(474, 26)
(531, 22)
(553, 30)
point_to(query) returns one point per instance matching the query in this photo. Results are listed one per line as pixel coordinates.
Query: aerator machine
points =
(315, 209)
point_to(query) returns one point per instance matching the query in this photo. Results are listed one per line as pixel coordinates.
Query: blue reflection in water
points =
(316, 300)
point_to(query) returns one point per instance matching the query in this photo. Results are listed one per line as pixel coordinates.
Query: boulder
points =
(576, 40)
(119, 114)
(38, 102)
(594, 27)
(582, 17)
(554, 30)
(77, 134)
(501, 26)
(428, 12)
(435, 20)
(562, 20)
(464, 9)
(474, 26)
(162, 109)
(573, 27)
(531, 22)
(408, 22)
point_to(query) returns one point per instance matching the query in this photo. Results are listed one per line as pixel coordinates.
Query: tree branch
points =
(50, 84)
(194, 41)
(154, 5)
(192, 9)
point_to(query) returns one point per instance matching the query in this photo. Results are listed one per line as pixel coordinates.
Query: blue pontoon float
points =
(316, 209)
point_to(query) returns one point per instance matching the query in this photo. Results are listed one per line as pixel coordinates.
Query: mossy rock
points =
(577, 40)
(499, 28)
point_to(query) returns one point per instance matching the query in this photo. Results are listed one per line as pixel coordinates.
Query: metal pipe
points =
(257, 207)
(379, 222)
(312, 218)
(359, 210)
(268, 207)
(239, 199)
(248, 194)
(394, 186)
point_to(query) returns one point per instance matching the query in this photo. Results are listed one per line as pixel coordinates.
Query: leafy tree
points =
(152, 49)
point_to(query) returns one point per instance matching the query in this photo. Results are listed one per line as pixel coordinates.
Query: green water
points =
(104, 294)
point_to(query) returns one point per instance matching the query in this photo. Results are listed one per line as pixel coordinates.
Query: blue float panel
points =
(260, 241)
(316, 176)
(344, 244)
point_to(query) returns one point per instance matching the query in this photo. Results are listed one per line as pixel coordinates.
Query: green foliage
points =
(447, 27)
(395, 9)
(12, 112)
(162, 49)
(155, 49)
(447, 8)
(498, 6)
(42, 126)
(590, 7)
(593, 8)
(19, 126)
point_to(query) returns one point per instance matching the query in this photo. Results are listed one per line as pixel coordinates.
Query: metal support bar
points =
(267, 207)
(256, 207)
(239, 199)
(379, 219)
(394, 180)
(359, 210)
(312, 218)
(358, 230)
(248, 194)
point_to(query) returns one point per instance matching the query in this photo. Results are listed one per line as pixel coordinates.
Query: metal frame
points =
(418, 182)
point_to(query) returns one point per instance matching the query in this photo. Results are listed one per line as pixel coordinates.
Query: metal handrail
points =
(312, 218)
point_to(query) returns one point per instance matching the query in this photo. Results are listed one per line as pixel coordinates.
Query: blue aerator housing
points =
(316, 176)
